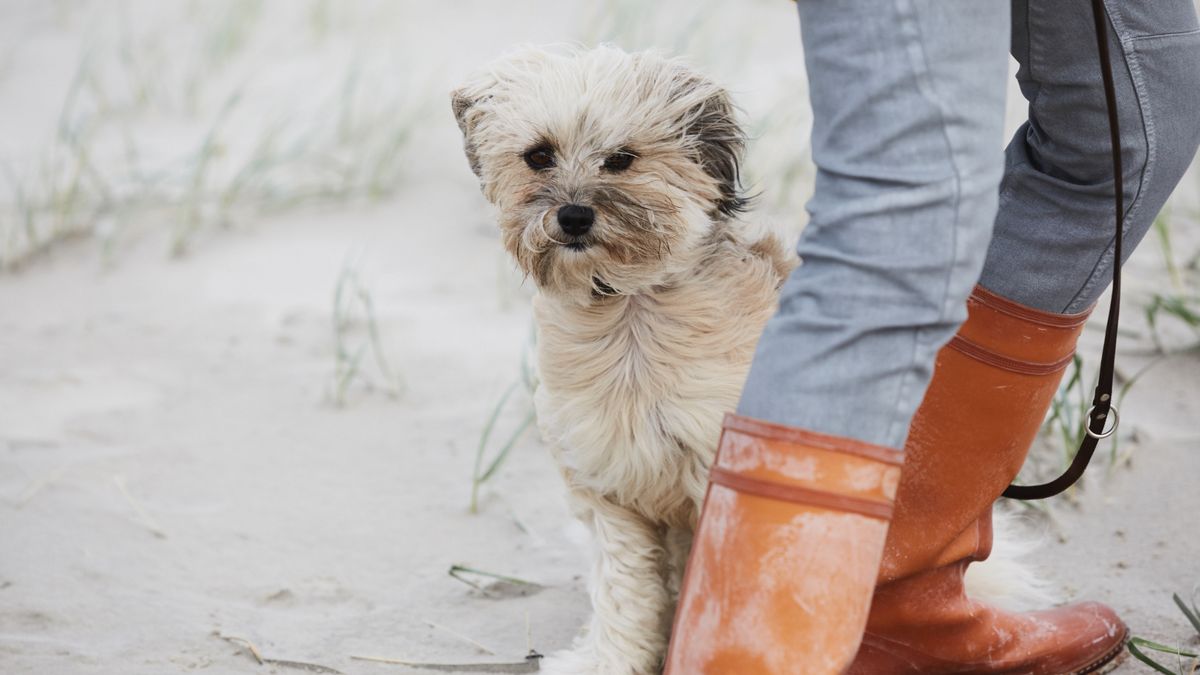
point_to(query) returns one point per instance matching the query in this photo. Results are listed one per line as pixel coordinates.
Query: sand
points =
(173, 466)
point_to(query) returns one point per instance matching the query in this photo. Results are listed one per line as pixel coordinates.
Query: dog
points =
(616, 178)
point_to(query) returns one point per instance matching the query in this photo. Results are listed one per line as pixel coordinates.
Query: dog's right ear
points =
(721, 140)
(467, 115)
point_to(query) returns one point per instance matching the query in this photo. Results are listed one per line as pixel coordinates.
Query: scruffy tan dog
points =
(616, 180)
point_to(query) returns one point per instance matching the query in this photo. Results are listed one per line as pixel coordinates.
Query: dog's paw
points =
(584, 661)
(570, 662)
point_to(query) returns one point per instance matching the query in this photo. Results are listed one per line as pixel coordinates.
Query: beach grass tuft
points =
(1186, 661)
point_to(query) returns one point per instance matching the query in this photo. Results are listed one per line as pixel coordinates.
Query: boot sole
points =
(1108, 662)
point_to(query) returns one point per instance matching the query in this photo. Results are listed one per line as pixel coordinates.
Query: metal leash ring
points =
(1116, 418)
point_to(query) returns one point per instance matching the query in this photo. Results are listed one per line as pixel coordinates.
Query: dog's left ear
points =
(720, 144)
(467, 115)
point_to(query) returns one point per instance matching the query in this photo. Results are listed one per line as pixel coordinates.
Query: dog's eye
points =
(539, 158)
(619, 161)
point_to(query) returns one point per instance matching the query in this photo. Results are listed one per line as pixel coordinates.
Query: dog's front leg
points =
(678, 544)
(625, 635)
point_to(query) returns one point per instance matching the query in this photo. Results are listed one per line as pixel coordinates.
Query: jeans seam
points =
(1029, 56)
(920, 72)
(1007, 188)
(1155, 36)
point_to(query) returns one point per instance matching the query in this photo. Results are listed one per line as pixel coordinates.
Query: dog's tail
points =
(1007, 578)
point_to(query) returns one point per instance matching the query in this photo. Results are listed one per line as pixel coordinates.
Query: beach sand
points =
(174, 467)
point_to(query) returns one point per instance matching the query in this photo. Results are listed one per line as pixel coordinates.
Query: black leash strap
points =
(1102, 403)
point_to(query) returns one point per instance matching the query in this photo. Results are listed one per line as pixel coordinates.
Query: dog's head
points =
(608, 168)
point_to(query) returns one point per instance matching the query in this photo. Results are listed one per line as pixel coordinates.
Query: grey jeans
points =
(916, 200)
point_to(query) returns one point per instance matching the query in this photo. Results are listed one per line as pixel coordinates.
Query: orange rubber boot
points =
(990, 391)
(786, 555)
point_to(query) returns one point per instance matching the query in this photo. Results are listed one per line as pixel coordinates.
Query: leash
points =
(1102, 404)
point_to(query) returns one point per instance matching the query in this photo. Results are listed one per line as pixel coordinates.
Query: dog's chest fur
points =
(633, 388)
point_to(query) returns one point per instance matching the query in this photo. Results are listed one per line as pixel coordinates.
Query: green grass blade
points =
(476, 481)
(1193, 616)
(503, 453)
(1151, 312)
(349, 369)
(461, 573)
(491, 423)
(376, 343)
(1135, 644)
(1162, 226)
(1122, 392)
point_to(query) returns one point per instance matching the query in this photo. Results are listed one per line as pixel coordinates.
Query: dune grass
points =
(1178, 301)
(353, 309)
(1183, 308)
(485, 469)
(1186, 662)
(181, 132)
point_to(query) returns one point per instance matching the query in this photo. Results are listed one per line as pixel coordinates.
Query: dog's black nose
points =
(575, 219)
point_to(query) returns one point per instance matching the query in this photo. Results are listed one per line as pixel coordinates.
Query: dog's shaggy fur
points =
(647, 322)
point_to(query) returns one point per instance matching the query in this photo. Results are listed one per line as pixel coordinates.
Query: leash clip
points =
(1087, 424)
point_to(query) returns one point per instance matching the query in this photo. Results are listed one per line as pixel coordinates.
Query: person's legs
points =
(908, 110)
(908, 103)
(1052, 247)
(1051, 257)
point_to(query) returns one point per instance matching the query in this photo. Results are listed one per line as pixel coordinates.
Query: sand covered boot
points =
(786, 554)
(990, 391)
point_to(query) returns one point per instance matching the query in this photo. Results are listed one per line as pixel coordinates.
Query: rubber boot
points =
(786, 554)
(990, 391)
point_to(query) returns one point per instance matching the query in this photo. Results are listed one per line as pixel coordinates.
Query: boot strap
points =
(800, 495)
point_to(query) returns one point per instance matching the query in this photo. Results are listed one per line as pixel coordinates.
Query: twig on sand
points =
(527, 665)
(243, 642)
(285, 663)
(481, 647)
(37, 486)
(530, 664)
(529, 635)
(147, 521)
(520, 522)
(302, 665)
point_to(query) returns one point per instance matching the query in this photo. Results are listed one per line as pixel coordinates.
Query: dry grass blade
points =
(529, 664)
(283, 663)
(243, 642)
(38, 485)
(145, 518)
(303, 665)
(474, 643)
